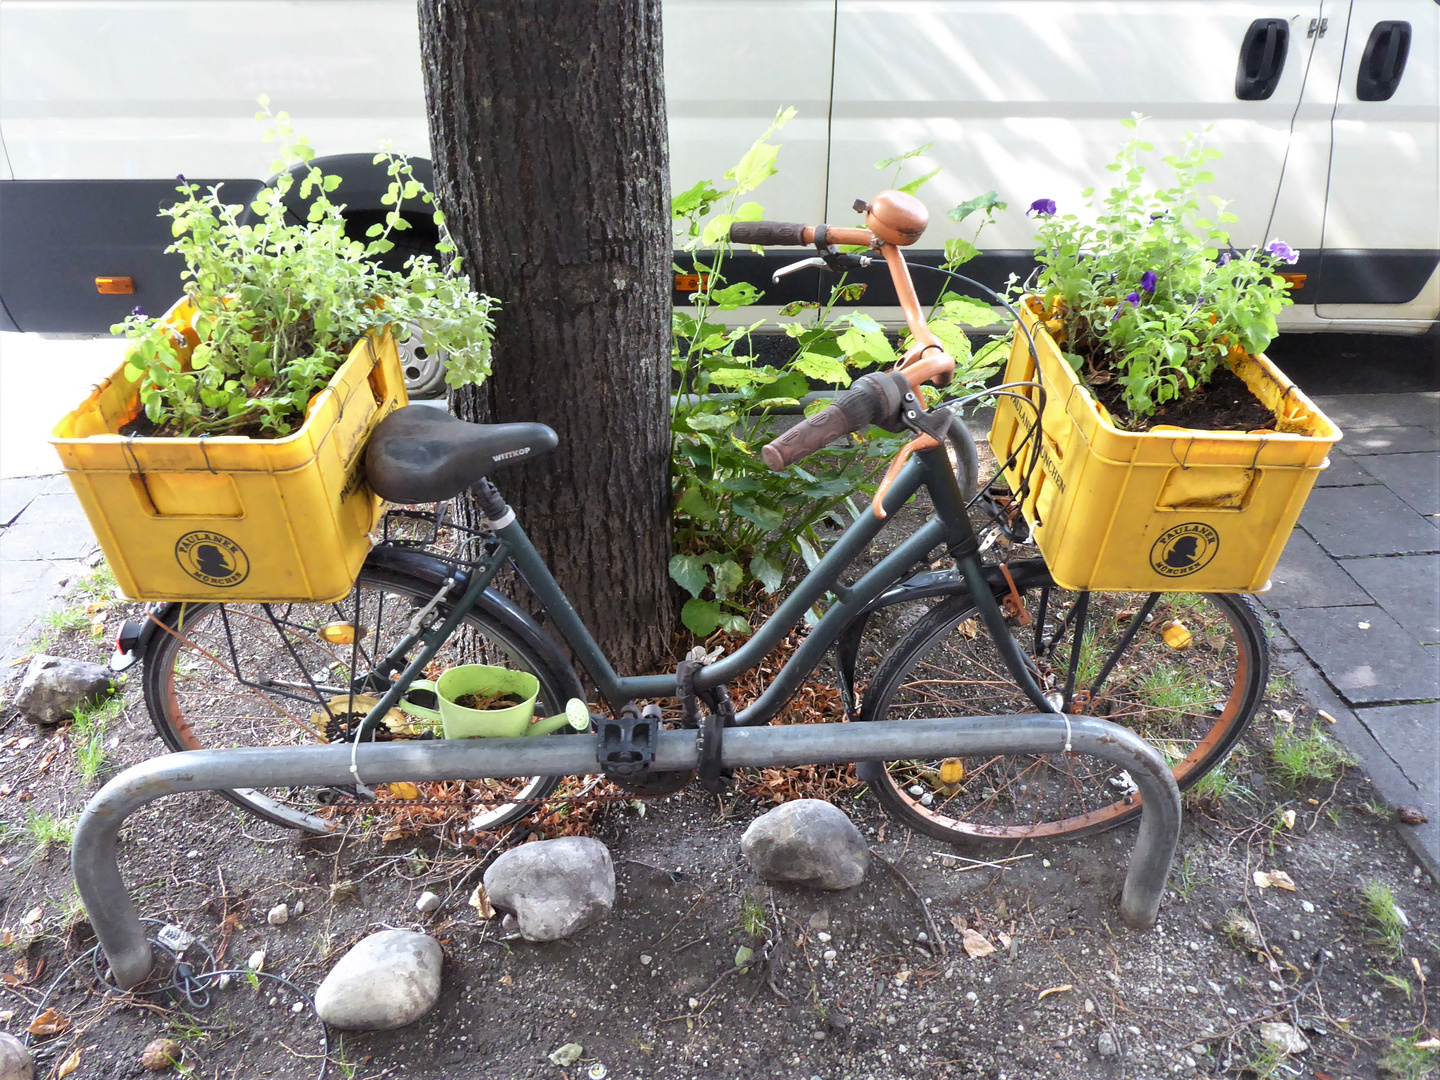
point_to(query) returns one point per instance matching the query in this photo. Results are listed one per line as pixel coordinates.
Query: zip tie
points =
(1068, 748)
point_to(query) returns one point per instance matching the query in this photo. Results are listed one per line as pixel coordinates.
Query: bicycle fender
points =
(492, 603)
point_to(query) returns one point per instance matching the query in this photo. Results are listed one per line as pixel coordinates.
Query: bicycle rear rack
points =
(116, 924)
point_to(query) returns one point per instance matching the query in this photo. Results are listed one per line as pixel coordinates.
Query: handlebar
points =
(893, 220)
(873, 399)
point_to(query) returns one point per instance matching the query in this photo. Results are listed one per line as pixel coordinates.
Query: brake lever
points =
(838, 261)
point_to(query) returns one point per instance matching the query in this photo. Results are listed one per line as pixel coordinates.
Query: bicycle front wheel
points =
(245, 675)
(1185, 671)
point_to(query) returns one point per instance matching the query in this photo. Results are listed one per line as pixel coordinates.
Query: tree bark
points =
(547, 127)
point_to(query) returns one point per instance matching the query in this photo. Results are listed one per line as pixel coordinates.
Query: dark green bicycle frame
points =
(949, 527)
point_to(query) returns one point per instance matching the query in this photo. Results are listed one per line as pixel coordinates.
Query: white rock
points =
(15, 1061)
(278, 915)
(1284, 1038)
(386, 981)
(554, 887)
(427, 903)
(808, 842)
(256, 961)
(1106, 1046)
(298, 908)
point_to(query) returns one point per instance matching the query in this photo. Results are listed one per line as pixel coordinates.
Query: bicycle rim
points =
(1191, 703)
(205, 688)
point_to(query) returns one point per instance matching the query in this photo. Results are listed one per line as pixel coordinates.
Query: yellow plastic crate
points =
(232, 518)
(1167, 510)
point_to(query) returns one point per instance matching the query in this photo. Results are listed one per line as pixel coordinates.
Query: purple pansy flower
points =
(1283, 251)
(1041, 207)
(1147, 281)
(1133, 299)
(1224, 258)
(138, 313)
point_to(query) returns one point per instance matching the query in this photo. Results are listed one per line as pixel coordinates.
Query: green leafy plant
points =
(1383, 918)
(738, 526)
(1149, 294)
(279, 304)
(1405, 1060)
(1313, 755)
(48, 828)
(88, 733)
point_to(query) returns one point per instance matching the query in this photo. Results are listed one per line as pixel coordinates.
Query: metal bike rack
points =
(116, 924)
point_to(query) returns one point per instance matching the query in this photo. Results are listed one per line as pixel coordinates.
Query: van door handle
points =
(1383, 62)
(1262, 59)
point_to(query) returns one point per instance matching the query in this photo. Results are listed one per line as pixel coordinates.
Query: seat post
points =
(495, 513)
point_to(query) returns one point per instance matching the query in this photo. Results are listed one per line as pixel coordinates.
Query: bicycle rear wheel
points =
(1193, 703)
(229, 675)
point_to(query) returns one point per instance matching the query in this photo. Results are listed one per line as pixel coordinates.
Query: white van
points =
(1327, 113)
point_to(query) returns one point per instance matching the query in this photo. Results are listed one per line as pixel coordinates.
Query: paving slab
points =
(1408, 587)
(1380, 663)
(16, 493)
(1307, 577)
(1380, 768)
(27, 591)
(1408, 734)
(1360, 442)
(1414, 477)
(1367, 521)
(1344, 471)
(1381, 410)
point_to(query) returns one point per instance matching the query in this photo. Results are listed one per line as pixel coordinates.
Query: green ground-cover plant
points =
(1381, 915)
(1312, 755)
(737, 523)
(280, 304)
(1149, 292)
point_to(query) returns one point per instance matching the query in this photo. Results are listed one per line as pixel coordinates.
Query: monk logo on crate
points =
(212, 559)
(1184, 549)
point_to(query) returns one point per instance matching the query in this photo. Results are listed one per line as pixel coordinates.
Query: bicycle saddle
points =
(419, 454)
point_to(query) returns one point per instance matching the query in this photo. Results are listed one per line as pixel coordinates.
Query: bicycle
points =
(219, 675)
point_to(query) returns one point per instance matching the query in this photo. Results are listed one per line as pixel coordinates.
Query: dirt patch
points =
(850, 984)
(1225, 404)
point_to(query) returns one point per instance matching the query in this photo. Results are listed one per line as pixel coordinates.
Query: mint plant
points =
(1150, 294)
(739, 526)
(280, 305)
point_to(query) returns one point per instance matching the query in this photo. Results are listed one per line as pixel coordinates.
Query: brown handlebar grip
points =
(806, 437)
(768, 233)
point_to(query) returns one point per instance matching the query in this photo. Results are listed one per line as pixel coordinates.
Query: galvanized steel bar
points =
(117, 925)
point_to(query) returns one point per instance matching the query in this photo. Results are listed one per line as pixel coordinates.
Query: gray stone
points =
(386, 981)
(427, 903)
(1284, 1038)
(1414, 477)
(1407, 586)
(15, 1061)
(1344, 471)
(1408, 734)
(554, 887)
(808, 842)
(1361, 442)
(53, 688)
(1383, 663)
(1306, 577)
(1366, 521)
(1106, 1045)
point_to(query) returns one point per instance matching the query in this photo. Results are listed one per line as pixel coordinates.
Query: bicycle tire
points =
(203, 715)
(1193, 704)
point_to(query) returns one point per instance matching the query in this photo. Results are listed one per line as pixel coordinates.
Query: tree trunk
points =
(547, 126)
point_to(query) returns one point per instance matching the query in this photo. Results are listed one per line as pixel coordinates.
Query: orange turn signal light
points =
(115, 286)
(1297, 281)
(690, 282)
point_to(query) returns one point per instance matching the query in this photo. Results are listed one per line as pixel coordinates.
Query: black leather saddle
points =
(419, 454)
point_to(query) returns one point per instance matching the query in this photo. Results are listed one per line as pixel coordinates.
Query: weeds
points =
(65, 620)
(88, 730)
(1313, 756)
(752, 916)
(1406, 1061)
(1265, 1063)
(1382, 916)
(1214, 788)
(47, 828)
